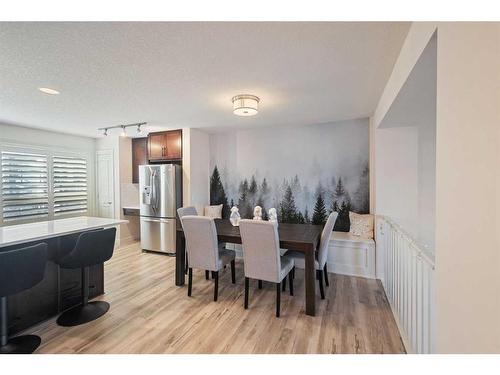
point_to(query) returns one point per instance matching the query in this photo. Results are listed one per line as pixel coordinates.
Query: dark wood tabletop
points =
(292, 236)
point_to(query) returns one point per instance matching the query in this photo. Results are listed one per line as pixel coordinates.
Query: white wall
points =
(408, 195)
(195, 167)
(467, 187)
(468, 251)
(396, 166)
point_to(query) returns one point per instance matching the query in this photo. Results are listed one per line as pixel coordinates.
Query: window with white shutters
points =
(24, 186)
(69, 184)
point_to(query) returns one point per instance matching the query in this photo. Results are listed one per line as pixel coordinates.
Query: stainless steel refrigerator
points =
(160, 190)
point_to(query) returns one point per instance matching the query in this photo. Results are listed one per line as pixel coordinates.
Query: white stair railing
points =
(408, 280)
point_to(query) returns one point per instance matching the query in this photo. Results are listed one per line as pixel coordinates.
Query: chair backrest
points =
(201, 242)
(261, 249)
(92, 247)
(325, 239)
(21, 269)
(185, 211)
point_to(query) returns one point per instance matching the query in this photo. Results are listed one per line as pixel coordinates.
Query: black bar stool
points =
(93, 247)
(20, 269)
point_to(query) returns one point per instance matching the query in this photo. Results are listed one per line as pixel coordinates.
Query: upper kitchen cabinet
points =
(139, 156)
(165, 146)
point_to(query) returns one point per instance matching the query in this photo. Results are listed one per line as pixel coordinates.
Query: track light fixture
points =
(123, 128)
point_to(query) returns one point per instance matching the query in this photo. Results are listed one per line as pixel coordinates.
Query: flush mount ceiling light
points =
(49, 91)
(245, 105)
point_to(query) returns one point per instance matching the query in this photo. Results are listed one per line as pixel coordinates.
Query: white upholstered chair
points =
(321, 257)
(262, 259)
(184, 211)
(204, 250)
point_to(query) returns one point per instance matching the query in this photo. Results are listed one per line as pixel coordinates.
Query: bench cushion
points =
(349, 237)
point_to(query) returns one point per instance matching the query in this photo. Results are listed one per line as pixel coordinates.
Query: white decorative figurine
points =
(235, 216)
(273, 216)
(257, 213)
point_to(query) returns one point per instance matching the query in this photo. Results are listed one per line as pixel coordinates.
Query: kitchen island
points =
(60, 289)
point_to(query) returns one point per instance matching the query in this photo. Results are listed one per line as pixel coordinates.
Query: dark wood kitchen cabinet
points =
(139, 156)
(165, 146)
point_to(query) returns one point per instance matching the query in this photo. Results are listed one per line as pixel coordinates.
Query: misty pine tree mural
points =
(217, 193)
(319, 215)
(329, 172)
(287, 212)
(244, 204)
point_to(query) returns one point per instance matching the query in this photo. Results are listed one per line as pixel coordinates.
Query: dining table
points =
(300, 237)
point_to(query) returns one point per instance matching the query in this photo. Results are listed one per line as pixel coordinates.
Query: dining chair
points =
(262, 259)
(321, 256)
(184, 211)
(204, 250)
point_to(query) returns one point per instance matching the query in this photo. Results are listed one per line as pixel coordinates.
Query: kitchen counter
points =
(131, 210)
(60, 288)
(22, 233)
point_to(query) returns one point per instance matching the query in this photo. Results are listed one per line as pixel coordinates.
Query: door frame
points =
(110, 154)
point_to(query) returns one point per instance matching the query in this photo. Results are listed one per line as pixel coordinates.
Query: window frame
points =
(50, 153)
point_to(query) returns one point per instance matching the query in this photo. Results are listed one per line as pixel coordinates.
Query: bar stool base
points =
(82, 314)
(26, 344)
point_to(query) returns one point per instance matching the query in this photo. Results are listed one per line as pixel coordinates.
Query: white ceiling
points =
(175, 75)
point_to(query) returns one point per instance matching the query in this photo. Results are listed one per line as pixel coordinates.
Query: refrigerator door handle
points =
(165, 221)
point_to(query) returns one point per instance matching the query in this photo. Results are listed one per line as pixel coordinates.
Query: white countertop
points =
(130, 207)
(22, 233)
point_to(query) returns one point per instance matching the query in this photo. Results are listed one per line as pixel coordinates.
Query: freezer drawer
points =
(158, 234)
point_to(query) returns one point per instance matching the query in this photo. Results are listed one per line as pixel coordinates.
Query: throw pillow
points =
(361, 225)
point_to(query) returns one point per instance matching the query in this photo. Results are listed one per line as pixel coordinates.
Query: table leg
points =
(310, 281)
(180, 259)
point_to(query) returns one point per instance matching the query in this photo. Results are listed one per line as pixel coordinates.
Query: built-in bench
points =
(347, 255)
(351, 255)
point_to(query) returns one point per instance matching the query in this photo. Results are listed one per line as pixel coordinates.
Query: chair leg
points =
(186, 265)
(85, 285)
(207, 275)
(190, 281)
(290, 281)
(293, 273)
(320, 279)
(247, 282)
(278, 299)
(4, 324)
(283, 284)
(216, 286)
(260, 284)
(327, 282)
(233, 272)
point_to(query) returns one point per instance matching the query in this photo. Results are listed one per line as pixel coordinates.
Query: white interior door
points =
(105, 184)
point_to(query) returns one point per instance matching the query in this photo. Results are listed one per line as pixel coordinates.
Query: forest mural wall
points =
(304, 172)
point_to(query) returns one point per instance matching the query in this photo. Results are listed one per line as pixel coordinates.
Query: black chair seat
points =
(20, 269)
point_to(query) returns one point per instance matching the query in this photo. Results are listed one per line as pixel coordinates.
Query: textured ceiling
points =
(173, 74)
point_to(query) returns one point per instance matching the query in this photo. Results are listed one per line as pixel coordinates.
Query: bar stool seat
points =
(93, 247)
(20, 269)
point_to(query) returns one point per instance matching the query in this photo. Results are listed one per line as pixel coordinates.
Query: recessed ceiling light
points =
(245, 105)
(49, 91)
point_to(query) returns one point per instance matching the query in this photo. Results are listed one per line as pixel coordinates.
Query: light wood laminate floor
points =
(149, 314)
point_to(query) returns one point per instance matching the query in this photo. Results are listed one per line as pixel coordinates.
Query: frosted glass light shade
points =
(245, 105)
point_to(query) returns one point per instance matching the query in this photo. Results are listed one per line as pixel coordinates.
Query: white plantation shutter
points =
(24, 186)
(70, 185)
